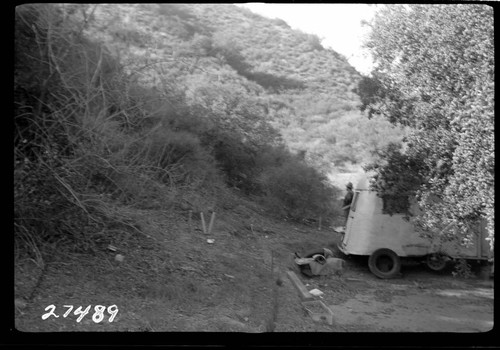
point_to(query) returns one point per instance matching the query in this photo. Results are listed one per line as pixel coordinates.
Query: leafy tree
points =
(394, 188)
(434, 72)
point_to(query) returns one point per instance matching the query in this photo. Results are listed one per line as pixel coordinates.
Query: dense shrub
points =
(237, 161)
(288, 186)
(297, 190)
(269, 156)
(87, 137)
(178, 156)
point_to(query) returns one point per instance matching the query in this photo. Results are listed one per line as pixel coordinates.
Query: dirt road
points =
(420, 301)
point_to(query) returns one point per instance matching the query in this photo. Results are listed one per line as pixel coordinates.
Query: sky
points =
(338, 25)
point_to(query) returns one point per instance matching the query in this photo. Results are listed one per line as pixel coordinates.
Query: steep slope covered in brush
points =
(229, 54)
(112, 111)
(156, 105)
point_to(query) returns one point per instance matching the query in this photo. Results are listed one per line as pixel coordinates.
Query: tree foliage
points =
(435, 73)
(394, 188)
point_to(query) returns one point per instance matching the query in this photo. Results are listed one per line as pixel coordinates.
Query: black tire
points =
(311, 252)
(436, 262)
(384, 263)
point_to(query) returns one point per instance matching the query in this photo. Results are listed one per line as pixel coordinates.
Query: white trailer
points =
(387, 238)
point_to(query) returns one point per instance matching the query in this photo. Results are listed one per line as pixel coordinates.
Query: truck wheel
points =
(384, 263)
(436, 261)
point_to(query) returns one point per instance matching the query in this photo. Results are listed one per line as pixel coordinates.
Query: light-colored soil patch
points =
(415, 310)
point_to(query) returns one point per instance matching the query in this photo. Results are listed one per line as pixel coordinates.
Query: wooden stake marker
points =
(210, 225)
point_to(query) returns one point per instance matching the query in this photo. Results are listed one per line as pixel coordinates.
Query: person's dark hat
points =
(349, 185)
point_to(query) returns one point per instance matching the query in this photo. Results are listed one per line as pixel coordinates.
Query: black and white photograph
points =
(246, 171)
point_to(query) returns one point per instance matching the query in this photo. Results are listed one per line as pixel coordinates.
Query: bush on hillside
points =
(177, 156)
(237, 161)
(273, 156)
(87, 137)
(297, 190)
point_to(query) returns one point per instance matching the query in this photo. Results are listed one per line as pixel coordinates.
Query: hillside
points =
(131, 121)
(305, 91)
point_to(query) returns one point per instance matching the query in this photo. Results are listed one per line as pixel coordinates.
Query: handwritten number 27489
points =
(97, 317)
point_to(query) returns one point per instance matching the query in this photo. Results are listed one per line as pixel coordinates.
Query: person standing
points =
(347, 202)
